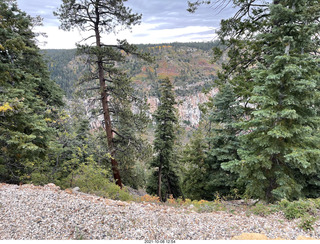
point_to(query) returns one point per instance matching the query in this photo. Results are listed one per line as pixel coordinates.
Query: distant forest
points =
(186, 63)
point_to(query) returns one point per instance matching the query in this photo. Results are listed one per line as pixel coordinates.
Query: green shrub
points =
(204, 206)
(316, 202)
(307, 222)
(261, 210)
(92, 178)
(297, 209)
(37, 172)
(37, 178)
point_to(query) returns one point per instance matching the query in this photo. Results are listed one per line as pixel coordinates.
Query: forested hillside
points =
(65, 69)
(188, 66)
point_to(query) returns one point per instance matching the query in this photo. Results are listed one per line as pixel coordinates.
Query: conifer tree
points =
(29, 100)
(195, 168)
(224, 114)
(273, 67)
(239, 50)
(281, 148)
(164, 180)
(98, 17)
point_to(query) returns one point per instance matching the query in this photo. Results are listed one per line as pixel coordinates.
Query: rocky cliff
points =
(188, 106)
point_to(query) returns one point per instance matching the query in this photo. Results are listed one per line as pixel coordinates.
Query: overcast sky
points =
(163, 21)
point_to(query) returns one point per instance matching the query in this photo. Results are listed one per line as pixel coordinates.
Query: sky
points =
(163, 21)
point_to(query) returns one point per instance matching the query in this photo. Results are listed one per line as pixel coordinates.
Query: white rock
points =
(76, 189)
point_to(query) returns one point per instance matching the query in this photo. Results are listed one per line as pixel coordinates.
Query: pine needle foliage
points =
(29, 100)
(164, 181)
(281, 146)
(224, 141)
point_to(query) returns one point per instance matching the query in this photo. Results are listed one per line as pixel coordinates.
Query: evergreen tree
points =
(281, 147)
(195, 169)
(98, 17)
(130, 120)
(224, 114)
(272, 64)
(164, 180)
(29, 100)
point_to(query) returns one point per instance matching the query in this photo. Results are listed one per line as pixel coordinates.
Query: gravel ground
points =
(38, 213)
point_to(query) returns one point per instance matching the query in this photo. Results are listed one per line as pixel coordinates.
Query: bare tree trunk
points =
(159, 181)
(108, 129)
(105, 107)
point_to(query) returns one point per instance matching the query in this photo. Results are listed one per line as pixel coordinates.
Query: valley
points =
(188, 65)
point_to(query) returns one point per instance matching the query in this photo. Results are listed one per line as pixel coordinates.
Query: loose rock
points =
(31, 212)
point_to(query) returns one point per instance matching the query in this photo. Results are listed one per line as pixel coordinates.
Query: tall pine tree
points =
(273, 67)
(204, 176)
(114, 90)
(281, 147)
(224, 114)
(164, 181)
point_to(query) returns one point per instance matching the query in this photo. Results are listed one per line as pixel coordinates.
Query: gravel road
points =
(41, 213)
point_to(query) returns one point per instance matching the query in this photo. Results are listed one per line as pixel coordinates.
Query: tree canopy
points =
(280, 145)
(29, 100)
(165, 136)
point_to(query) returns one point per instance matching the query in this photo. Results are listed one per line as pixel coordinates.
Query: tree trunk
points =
(105, 107)
(272, 181)
(159, 181)
(108, 126)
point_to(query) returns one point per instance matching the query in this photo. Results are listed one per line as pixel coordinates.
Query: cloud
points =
(44, 8)
(56, 38)
(151, 33)
(162, 21)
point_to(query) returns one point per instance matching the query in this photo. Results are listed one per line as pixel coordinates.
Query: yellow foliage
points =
(202, 202)
(148, 198)
(187, 201)
(171, 200)
(5, 107)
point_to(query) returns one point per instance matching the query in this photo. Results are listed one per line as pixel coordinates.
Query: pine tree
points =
(224, 114)
(29, 100)
(130, 121)
(195, 169)
(164, 180)
(281, 148)
(272, 64)
(98, 17)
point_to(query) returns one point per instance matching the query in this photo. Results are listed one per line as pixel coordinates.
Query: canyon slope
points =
(187, 65)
